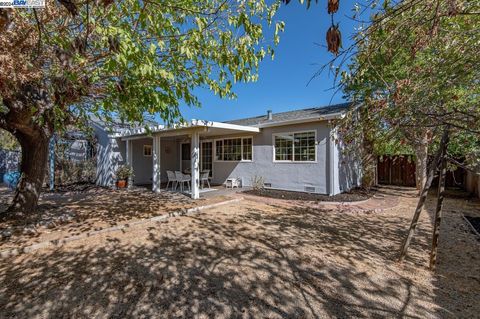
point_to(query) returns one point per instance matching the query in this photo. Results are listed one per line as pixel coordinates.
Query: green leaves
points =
(417, 69)
(146, 57)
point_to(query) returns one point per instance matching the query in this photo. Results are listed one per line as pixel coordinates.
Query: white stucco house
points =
(293, 150)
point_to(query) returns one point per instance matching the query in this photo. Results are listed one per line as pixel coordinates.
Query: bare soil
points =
(354, 195)
(257, 260)
(75, 211)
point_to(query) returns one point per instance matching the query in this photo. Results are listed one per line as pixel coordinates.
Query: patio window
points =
(147, 150)
(233, 149)
(295, 147)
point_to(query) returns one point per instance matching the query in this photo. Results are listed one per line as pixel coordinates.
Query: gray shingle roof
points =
(293, 115)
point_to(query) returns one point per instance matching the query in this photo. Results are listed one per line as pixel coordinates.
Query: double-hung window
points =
(233, 149)
(295, 147)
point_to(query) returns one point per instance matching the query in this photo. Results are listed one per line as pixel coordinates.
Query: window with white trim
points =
(233, 149)
(147, 150)
(295, 147)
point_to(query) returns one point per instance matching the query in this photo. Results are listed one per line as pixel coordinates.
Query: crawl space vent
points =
(267, 184)
(310, 189)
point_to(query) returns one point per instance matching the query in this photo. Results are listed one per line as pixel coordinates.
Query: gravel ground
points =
(256, 260)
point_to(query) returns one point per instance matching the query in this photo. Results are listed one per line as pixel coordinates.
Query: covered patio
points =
(186, 148)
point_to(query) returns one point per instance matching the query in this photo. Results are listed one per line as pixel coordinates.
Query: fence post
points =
(51, 148)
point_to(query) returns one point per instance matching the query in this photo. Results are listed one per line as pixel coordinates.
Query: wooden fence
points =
(396, 170)
(400, 170)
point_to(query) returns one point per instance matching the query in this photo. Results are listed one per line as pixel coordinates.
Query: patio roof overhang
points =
(205, 128)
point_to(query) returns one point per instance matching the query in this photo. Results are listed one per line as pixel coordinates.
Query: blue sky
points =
(282, 83)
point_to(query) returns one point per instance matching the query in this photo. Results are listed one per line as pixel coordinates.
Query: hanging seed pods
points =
(79, 45)
(452, 8)
(120, 85)
(70, 6)
(333, 6)
(106, 3)
(4, 19)
(334, 39)
(113, 44)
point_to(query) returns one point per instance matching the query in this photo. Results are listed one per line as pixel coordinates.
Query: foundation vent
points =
(310, 189)
(267, 185)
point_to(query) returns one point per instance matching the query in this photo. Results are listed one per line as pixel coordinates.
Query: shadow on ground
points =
(70, 214)
(457, 274)
(243, 261)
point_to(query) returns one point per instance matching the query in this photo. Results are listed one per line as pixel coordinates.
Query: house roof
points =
(315, 113)
(207, 128)
(117, 125)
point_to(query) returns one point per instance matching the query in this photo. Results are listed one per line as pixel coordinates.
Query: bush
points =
(258, 182)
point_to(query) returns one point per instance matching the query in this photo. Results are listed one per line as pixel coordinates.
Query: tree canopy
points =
(132, 57)
(415, 70)
(126, 58)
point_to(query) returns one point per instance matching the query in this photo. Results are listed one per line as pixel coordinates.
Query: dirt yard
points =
(256, 260)
(66, 214)
(351, 196)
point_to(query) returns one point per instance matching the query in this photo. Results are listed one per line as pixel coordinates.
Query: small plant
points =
(258, 182)
(124, 172)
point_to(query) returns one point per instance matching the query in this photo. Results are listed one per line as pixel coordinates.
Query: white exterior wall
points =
(281, 175)
(110, 154)
(142, 165)
(333, 171)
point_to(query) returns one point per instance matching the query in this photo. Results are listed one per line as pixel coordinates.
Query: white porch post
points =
(129, 161)
(156, 164)
(195, 162)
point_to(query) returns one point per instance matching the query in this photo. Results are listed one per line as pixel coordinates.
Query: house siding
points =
(143, 165)
(333, 171)
(281, 175)
(110, 154)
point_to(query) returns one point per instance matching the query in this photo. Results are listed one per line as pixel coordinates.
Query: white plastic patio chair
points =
(171, 179)
(204, 177)
(182, 179)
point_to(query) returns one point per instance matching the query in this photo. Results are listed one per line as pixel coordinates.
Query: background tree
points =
(415, 75)
(128, 58)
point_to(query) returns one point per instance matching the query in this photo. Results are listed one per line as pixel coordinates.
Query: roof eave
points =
(192, 124)
(327, 117)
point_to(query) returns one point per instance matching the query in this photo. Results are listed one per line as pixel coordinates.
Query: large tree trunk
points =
(369, 162)
(30, 119)
(33, 169)
(423, 195)
(438, 212)
(421, 155)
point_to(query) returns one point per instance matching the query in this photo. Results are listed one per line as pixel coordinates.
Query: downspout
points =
(331, 146)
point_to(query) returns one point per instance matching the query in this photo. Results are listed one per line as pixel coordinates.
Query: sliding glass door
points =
(206, 157)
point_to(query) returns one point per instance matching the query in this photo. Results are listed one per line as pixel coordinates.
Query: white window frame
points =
(213, 154)
(146, 146)
(223, 148)
(293, 147)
